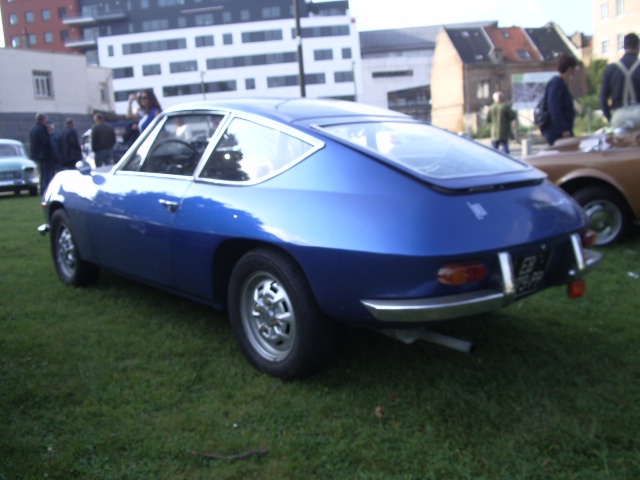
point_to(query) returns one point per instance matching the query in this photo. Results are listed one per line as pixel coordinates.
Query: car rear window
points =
(427, 150)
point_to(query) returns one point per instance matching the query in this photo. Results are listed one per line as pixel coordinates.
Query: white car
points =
(17, 171)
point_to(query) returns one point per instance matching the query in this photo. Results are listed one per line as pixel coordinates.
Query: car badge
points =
(478, 210)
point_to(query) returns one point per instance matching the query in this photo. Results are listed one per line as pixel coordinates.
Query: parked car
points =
(602, 172)
(17, 172)
(299, 215)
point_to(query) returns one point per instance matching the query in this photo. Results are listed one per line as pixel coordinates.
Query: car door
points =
(134, 210)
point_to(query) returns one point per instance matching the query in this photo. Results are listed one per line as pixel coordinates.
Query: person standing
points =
(621, 79)
(560, 101)
(500, 116)
(103, 138)
(54, 136)
(41, 151)
(69, 145)
(148, 108)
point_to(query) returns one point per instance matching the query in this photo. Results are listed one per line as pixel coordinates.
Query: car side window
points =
(248, 152)
(175, 148)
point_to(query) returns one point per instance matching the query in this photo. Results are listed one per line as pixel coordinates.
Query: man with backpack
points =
(621, 79)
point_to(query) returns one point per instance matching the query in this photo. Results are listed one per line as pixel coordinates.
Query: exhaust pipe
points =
(409, 336)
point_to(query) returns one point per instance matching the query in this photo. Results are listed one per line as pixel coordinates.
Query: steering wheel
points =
(167, 141)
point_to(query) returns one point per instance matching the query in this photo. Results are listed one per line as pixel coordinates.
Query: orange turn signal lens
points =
(462, 273)
(588, 238)
(577, 288)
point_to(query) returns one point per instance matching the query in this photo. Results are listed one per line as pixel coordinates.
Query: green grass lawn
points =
(121, 381)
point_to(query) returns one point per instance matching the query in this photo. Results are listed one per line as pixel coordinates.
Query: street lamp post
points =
(303, 90)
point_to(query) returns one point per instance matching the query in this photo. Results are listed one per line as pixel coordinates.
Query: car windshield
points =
(11, 151)
(427, 150)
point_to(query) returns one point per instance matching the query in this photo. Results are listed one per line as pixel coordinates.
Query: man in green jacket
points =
(500, 116)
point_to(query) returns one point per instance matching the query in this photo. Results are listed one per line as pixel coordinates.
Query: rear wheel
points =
(274, 316)
(607, 211)
(70, 267)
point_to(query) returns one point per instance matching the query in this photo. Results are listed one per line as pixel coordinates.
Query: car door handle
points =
(169, 205)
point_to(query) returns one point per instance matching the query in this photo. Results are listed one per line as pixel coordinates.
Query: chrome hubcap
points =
(267, 316)
(605, 219)
(66, 252)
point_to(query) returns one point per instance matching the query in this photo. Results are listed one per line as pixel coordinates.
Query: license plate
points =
(530, 271)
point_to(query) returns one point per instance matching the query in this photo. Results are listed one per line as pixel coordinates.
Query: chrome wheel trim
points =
(267, 316)
(66, 252)
(605, 219)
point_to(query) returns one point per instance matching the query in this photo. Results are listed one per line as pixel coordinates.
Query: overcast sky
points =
(571, 15)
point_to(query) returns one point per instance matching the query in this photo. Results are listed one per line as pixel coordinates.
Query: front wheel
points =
(274, 316)
(70, 267)
(607, 211)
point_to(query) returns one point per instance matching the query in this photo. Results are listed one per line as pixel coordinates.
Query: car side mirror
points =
(83, 167)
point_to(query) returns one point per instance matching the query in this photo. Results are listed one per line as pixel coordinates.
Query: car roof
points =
(294, 110)
(8, 141)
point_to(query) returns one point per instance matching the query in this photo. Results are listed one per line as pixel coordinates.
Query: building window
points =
(251, 60)
(342, 77)
(123, 72)
(605, 47)
(182, 22)
(196, 88)
(483, 90)
(181, 67)
(227, 39)
(204, 19)
(271, 12)
(46, 14)
(621, 41)
(346, 53)
(13, 19)
(393, 73)
(250, 84)
(154, 46)
(154, 69)
(226, 17)
(29, 17)
(144, 4)
(153, 25)
(314, 32)
(324, 54)
(262, 36)
(170, 3)
(15, 42)
(204, 41)
(33, 40)
(62, 12)
(48, 37)
(619, 7)
(604, 11)
(245, 16)
(524, 54)
(64, 35)
(42, 87)
(293, 80)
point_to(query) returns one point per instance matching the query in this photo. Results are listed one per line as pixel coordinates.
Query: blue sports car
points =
(299, 215)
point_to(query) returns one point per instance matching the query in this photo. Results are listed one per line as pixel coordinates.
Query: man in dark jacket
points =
(560, 101)
(41, 151)
(616, 92)
(69, 145)
(103, 138)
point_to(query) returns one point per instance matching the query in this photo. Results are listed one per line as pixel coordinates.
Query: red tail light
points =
(577, 288)
(462, 273)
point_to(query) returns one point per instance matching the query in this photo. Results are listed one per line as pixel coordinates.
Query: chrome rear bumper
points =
(461, 305)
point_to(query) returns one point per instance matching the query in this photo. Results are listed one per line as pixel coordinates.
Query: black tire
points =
(607, 211)
(275, 318)
(70, 267)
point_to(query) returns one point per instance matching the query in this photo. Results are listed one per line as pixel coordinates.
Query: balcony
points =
(95, 18)
(81, 43)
